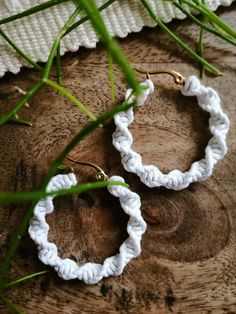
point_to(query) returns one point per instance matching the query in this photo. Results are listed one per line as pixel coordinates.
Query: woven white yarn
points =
(216, 149)
(90, 273)
(34, 34)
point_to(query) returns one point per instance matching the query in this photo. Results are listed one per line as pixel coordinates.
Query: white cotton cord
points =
(35, 34)
(13, 5)
(90, 273)
(216, 149)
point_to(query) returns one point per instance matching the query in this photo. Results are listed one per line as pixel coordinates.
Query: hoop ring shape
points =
(216, 149)
(90, 273)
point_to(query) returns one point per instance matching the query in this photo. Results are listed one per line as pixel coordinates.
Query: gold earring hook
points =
(100, 175)
(178, 78)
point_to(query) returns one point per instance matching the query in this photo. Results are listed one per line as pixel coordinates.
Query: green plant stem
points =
(34, 89)
(19, 51)
(177, 40)
(58, 64)
(112, 78)
(56, 42)
(20, 121)
(25, 220)
(10, 304)
(31, 11)
(94, 15)
(202, 25)
(201, 51)
(37, 86)
(201, 47)
(83, 133)
(22, 279)
(72, 98)
(211, 16)
(41, 194)
(86, 18)
(10, 116)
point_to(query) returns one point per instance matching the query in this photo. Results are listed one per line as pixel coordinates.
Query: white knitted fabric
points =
(216, 149)
(90, 273)
(35, 34)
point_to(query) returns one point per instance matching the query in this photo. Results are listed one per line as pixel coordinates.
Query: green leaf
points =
(6, 197)
(211, 16)
(20, 121)
(58, 64)
(37, 86)
(178, 41)
(22, 279)
(86, 18)
(200, 52)
(67, 94)
(93, 13)
(10, 304)
(8, 116)
(56, 42)
(62, 167)
(196, 21)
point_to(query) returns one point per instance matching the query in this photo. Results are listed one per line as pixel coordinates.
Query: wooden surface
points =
(188, 260)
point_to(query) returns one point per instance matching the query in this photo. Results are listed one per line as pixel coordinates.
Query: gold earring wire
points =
(178, 78)
(100, 174)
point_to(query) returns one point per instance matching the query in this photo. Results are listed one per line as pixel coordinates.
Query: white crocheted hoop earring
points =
(216, 149)
(90, 273)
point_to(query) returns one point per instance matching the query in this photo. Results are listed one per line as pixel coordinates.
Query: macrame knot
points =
(132, 160)
(176, 180)
(125, 117)
(130, 99)
(149, 88)
(93, 273)
(130, 204)
(209, 100)
(219, 123)
(114, 189)
(205, 166)
(150, 175)
(59, 181)
(109, 266)
(67, 269)
(191, 87)
(48, 254)
(120, 263)
(218, 147)
(39, 226)
(122, 139)
(48, 204)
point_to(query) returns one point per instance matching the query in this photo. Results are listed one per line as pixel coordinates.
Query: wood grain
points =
(188, 260)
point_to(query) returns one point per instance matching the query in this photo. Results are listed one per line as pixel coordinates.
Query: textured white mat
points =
(35, 34)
